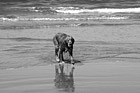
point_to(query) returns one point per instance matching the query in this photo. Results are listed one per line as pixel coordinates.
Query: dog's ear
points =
(72, 39)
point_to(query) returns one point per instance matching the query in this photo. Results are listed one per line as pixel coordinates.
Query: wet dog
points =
(63, 43)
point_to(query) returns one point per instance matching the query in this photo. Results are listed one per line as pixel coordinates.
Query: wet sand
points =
(109, 61)
(91, 77)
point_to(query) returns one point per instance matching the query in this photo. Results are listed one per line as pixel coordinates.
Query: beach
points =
(117, 77)
(106, 49)
(108, 61)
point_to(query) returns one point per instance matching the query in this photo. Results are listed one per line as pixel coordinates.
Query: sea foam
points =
(76, 10)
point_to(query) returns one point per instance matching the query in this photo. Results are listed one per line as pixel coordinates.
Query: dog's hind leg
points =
(57, 54)
(55, 41)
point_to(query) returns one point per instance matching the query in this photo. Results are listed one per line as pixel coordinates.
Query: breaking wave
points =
(76, 10)
(37, 17)
(72, 13)
(63, 19)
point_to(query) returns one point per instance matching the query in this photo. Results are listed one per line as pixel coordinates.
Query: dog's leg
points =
(56, 53)
(71, 56)
(60, 55)
(55, 41)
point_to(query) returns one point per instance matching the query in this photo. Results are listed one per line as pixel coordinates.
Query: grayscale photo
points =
(69, 46)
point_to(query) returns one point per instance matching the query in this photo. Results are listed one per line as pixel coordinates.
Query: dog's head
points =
(69, 41)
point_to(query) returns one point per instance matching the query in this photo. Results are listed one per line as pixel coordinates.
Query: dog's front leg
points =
(60, 55)
(71, 56)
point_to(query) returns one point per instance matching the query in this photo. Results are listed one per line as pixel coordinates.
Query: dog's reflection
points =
(64, 77)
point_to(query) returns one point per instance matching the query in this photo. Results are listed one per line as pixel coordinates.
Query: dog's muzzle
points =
(69, 45)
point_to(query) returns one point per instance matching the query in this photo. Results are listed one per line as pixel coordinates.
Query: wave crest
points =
(76, 10)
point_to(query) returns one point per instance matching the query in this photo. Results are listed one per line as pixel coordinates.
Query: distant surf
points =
(68, 13)
(73, 13)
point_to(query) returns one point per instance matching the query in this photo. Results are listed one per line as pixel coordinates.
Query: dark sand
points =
(99, 77)
(109, 56)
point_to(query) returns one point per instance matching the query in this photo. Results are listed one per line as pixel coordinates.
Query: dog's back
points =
(59, 38)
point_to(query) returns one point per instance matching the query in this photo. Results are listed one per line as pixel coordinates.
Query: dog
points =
(63, 43)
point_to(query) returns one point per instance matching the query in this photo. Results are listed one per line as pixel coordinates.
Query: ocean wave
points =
(32, 9)
(72, 14)
(48, 10)
(76, 10)
(66, 18)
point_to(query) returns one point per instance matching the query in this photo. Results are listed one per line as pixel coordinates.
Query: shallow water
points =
(26, 52)
(118, 77)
